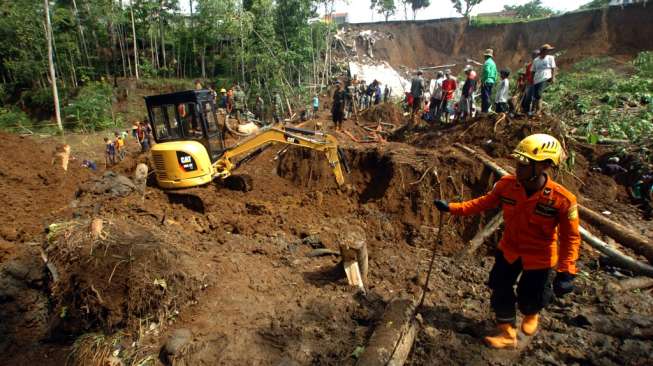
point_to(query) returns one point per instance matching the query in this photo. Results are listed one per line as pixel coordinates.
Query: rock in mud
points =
(176, 342)
(111, 184)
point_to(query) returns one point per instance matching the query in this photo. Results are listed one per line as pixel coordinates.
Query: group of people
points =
(115, 148)
(355, 96)
(445, 99)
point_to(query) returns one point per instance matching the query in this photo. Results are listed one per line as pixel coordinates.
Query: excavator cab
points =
(188, 137)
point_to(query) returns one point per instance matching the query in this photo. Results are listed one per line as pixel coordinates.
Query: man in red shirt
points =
(449, 86)
(541, 236)
(527, 99)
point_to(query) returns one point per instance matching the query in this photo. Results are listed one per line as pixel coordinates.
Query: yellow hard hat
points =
(539, 147)
(223, 90)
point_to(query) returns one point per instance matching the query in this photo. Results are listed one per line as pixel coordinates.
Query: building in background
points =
(338, 18)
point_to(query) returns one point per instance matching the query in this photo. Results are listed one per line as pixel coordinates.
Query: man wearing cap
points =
(541, 236)
(488, 78)
(544, 68)
(417, 86)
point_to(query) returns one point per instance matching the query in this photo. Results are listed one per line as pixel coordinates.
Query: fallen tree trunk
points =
(488, 230)
(618, 232)
(618, 257)
(635, 283)
(393, 337)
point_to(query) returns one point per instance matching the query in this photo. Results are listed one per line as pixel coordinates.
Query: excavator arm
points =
(284, 135)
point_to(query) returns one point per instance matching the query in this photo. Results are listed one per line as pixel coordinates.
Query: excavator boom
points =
(284, 135)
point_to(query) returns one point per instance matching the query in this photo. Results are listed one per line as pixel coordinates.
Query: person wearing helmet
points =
(541, 236)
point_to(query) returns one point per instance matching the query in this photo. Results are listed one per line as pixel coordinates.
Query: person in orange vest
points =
(541, 236)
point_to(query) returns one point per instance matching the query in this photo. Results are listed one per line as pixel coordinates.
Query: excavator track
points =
(201, 199)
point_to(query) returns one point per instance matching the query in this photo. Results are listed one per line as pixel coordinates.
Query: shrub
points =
(11, 118)
(90, 110)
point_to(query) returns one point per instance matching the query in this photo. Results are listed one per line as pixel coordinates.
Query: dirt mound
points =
(35, 190)
(113, 281)
(496, 135)
(384, 112)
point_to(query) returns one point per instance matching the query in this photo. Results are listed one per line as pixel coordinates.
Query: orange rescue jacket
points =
(533, 224)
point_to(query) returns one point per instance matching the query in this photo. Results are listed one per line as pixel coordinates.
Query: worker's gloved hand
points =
(442, 205)
(563, 284)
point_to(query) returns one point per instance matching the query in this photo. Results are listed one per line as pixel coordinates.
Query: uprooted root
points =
(112, 280)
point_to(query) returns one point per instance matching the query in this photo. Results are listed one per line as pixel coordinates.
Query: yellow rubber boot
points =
(506, 337)
(529, 324)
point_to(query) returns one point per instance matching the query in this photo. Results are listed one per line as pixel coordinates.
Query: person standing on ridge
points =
(488, 78)
(417, 86)
(544, 68)
(503, 93)
(449, 86)
(467, 94)
(541, 236)
(338, 107)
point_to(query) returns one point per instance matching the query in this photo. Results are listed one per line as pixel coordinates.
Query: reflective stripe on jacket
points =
(533, 224)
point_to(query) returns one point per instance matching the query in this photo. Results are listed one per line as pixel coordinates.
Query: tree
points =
(595, 4)
(131, 11)
(532, 9)
(53, 76)
(385, 7)
(468, 6)
(416, 5)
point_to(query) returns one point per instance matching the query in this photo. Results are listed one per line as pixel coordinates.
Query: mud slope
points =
(612, 31)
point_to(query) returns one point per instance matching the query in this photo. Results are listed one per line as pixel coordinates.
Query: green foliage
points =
(594, 4)
(644, 64)
(531, 10)
(597, 100)
(12, 118)
(464, 7)
(385, 7)
(90, 110)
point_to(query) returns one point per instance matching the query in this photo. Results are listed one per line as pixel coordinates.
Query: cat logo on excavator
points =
(190, 149)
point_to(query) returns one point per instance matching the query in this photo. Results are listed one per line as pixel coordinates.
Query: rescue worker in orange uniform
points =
(541, 236)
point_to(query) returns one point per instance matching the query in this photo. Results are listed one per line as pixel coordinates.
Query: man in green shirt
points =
(488, 78)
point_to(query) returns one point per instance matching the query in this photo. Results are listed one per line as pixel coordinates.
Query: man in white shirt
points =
(503, 94)
(544, 68)
(436, 95)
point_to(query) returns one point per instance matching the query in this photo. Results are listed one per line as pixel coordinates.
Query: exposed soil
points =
(611, 31)
(236, 270)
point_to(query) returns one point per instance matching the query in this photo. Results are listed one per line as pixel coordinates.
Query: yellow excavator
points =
(190, 148)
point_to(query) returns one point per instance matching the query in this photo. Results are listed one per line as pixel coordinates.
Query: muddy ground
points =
(237, 271)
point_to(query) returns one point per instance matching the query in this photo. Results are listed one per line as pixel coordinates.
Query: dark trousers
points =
(501, 107)
(527, 100)
(486, 95)
(533, 290)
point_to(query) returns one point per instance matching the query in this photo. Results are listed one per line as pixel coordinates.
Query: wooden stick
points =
(619, 258)
(488, 230)
(618, 232)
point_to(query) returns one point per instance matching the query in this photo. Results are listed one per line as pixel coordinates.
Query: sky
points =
(359, 10)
